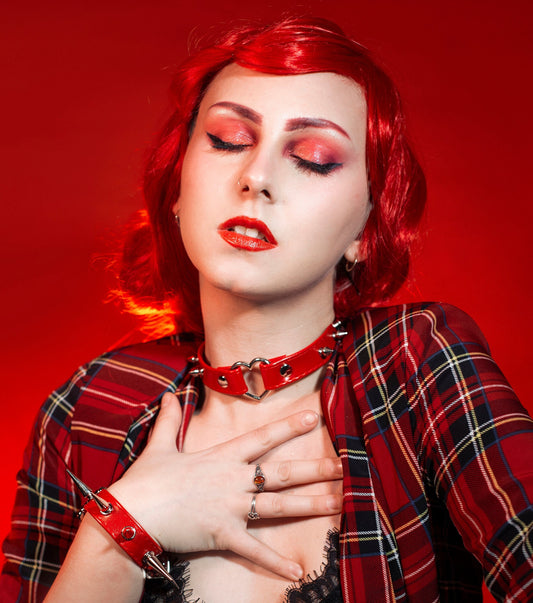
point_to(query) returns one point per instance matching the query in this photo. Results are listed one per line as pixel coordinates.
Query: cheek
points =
(190, 174)
(191, 207)
(195, 189)
(339, 205)
(353, 202)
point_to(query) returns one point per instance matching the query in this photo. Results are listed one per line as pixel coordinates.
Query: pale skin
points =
(258, 162)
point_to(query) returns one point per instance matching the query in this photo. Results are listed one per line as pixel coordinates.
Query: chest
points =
(222, 576)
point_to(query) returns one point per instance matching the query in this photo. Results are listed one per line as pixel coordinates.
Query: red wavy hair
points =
(157, 279)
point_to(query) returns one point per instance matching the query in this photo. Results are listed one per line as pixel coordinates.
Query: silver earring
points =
(350, 265)
(177, 218)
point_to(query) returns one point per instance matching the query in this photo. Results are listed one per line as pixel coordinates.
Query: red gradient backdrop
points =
(85, 89)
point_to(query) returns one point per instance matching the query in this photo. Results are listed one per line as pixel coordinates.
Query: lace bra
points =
(324, 587)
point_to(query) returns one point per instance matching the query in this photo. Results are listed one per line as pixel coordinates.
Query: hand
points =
(199, 501)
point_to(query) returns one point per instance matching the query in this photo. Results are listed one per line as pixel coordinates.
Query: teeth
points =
(249, 232)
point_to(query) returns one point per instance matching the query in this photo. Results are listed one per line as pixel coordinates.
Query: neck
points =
(239, 329)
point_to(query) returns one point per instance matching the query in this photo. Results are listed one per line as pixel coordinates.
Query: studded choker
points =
(275, 372)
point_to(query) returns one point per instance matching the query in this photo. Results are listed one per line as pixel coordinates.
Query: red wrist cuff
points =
(124, 529)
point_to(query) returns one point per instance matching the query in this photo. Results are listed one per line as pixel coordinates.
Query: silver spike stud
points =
(150, 559)
(340, 331)
(103, 505)
(83, 488)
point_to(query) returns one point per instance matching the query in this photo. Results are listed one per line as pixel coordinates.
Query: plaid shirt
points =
(437, 457)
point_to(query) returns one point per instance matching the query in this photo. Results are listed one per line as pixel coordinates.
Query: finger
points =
(274, 506)
(259, 441)
(294, 473)
(257, 552)
(167, 424)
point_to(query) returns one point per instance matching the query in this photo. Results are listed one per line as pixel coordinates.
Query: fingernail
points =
(296, 571)
(338, 465)
(309, 418)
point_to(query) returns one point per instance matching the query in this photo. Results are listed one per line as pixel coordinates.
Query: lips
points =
(247, 233)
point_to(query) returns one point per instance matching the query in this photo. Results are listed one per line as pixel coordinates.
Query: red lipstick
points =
(247, 233)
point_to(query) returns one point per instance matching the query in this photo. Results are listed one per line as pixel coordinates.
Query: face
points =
(274, 188)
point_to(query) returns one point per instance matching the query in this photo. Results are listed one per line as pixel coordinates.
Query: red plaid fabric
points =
(437, 456)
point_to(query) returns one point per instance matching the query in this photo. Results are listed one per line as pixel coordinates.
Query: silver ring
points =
(252, 513)
(259, 478)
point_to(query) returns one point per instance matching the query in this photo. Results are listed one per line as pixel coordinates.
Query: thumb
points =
(167, 424)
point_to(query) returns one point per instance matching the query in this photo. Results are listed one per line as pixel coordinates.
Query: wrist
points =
(123, 529)
(96, 569)
(103, 546)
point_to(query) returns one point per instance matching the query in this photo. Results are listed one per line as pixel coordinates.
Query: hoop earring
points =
(349, 266)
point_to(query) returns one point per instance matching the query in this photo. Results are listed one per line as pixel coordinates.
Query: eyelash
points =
(223, 145)
(322, 169)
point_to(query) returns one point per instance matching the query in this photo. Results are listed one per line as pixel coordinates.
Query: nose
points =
(244, 187)
(255, 180)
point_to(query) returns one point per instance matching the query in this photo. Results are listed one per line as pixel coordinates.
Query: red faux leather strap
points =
(123, 528)
(276, 372)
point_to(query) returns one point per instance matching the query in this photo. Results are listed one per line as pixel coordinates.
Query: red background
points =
(84, 91)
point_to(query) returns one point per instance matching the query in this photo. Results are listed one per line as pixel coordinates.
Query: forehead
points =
(281, 97)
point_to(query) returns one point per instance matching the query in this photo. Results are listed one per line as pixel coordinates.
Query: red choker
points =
(276, 372)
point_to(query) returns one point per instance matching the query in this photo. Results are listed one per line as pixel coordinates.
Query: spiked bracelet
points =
(123, 528)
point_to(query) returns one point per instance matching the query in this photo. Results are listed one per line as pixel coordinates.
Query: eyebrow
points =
(297, 123)
(245, 112)
(300, 123)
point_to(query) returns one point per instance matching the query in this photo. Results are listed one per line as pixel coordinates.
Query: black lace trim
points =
(323, 587)
(158, 590)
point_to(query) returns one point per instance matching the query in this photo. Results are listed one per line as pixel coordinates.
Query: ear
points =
(176, 207)
(352, 252)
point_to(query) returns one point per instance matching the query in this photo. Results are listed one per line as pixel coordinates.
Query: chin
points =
(238, 285)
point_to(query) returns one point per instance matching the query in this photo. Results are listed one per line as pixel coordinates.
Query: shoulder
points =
(419, 326)
(121, 382)
(104, 412)
(144, 366)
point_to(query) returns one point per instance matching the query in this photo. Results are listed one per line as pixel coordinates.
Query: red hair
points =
(156, 276)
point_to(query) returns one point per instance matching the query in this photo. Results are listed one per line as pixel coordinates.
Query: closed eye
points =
(224, 145)
(323, 169)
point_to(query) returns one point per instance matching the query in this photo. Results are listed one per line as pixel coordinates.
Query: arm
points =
(477, 447)
(89, 425)
(43, 519)
(195, 502)
(96, 569)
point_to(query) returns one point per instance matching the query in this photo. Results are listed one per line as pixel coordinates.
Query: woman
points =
(282, 196)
